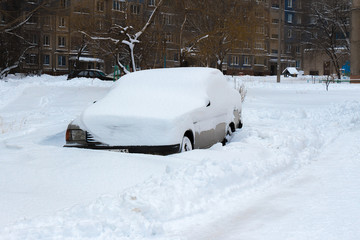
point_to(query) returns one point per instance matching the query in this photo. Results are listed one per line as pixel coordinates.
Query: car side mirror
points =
(208, 104)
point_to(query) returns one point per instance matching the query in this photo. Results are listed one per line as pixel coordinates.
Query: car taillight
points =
(75, 135)
(68, 135)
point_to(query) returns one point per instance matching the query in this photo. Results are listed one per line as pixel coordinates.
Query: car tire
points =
(186, 144)
(240, 124)
(229, 133)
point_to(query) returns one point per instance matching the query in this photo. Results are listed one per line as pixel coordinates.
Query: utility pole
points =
(279, 41)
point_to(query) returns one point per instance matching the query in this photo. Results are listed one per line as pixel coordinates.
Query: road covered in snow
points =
(292, 172)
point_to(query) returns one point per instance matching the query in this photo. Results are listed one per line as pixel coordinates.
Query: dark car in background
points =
(89, 73)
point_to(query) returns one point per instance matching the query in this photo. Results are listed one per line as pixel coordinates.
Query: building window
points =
(312, 20)
(297, 49)
(62, 61)
(31, 59)
(119, 5)
(32, 20)
(151, 3)
(64, 3)
(169, 37)
(299, 20)
(235, 60)
(135, 9)
(46, 40)
(34, 39)
(46, 59)
(167, 19)
(290, 18)
(259, 45)
(47, 20)
(61, 41)
(100, 5)
(289, 48)
(61, 22)
(275, 3)
(289, 33)
(298, 63)
(246, 61)
(275, 20)
(2, 18)
(100, 24)
(246, 45)
(260, 29)
(290, 3)
(176, 57)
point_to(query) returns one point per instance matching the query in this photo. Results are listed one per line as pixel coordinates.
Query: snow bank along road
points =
(292, 172)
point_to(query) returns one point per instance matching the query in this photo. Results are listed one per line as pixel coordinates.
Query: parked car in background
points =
(160, 111)
(89, 73)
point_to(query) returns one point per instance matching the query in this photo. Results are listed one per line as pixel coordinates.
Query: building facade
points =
(62, 35)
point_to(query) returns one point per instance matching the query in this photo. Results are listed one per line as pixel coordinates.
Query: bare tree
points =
(217, 27)
(13, 43)
(128, 33)
(329, 29)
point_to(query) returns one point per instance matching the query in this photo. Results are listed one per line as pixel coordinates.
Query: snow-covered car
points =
(160, 111)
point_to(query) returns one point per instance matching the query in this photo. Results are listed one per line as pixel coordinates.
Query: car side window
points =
(82, 74)
(91, 74)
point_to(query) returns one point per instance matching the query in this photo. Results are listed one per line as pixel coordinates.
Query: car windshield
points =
(82, 74)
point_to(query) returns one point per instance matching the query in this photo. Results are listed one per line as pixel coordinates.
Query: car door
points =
(217, 111)
(204, 126)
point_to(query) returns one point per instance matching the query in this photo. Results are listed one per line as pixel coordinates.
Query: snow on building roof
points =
(88, 59)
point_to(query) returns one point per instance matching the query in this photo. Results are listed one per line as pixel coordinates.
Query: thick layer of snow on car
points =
(292, 172)
(153, 107)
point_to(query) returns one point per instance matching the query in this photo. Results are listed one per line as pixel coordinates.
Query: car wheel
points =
(229, 133)
(240, 124)
(186, 144)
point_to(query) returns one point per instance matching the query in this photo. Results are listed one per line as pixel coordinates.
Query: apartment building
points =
(252, 55)
(60, 35)
(280, 19)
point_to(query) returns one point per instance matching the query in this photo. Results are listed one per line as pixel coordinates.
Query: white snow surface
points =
(292, 171)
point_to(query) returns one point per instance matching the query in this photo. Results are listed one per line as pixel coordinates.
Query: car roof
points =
(173, 76)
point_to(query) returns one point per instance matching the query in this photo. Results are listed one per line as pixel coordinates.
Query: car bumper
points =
(157, 150)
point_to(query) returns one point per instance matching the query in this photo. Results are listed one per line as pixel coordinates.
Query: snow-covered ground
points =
(292, 172)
